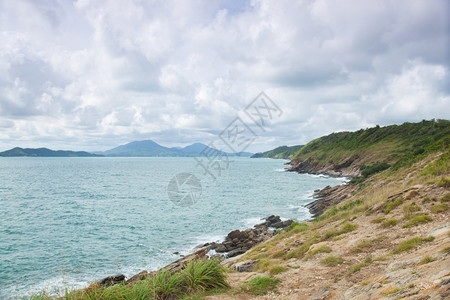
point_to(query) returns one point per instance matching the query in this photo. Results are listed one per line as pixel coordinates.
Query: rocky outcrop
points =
(329, 196)
(112, 280)
(244, 266)
(238, 242)
(346, 168)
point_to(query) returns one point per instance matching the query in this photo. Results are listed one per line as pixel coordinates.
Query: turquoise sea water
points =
(65, 222)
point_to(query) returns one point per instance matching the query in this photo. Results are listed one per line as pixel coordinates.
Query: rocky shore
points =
(328, 196)
(237, 242)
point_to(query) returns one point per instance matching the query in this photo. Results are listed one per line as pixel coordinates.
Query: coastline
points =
(238, 242)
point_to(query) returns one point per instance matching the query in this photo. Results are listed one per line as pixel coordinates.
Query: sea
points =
(65, 222)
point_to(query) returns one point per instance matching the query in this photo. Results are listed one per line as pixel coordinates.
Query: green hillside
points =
(396, 145)
(283, 152)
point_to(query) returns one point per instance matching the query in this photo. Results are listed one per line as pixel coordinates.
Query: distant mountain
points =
(44, 152)
(141, 149)
(149, 148)
(284, 152)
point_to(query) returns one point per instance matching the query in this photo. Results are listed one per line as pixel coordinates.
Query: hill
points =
(44, 152)
(282, 152)
(395, 146)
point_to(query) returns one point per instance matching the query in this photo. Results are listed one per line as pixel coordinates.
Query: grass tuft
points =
(331, 261)
(322, 249)
(411, 244)
(439, 208)
(389, 223)
(277, 270)
(427, 259)
(260, 285)
(417, 219)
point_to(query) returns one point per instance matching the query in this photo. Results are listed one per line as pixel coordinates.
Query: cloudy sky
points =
(90, 75)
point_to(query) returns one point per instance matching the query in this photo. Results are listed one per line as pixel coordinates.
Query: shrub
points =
(260, 285)
(331, 261)
(410, 244)
(375, 168)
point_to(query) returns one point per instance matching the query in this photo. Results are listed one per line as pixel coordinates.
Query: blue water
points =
(65, 222)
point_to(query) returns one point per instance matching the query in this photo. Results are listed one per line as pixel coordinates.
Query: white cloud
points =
(92, 74)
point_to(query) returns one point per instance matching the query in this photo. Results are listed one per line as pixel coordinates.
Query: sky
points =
(94, 74)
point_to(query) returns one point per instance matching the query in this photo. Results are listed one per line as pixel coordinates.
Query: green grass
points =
(198, 276)
(427, 259)
(277, 270)
(260, 285)
(410, 244)
(439, 167)
(358, 266)
(389, 223)
(417, 219)
(347, 227)
(445, 198)
(439, 208)
(412, 208)
(377, 220)
(391, 291)
(204, 275)
(391, 205)
(322, 249)
(331, 261)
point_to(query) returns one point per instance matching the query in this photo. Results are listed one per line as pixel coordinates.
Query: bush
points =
(375, 168)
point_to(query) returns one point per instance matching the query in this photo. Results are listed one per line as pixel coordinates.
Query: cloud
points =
(93, 74)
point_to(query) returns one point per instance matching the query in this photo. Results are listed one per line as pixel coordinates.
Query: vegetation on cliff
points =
(282, 152)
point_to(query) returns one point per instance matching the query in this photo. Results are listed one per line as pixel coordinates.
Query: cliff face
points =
(310, 166)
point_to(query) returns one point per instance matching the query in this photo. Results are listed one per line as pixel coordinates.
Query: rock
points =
(182, 262)
(245, 266)
(237, 234)
(235, 252)
(139, 276)
(112, 280)
(282, 224)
